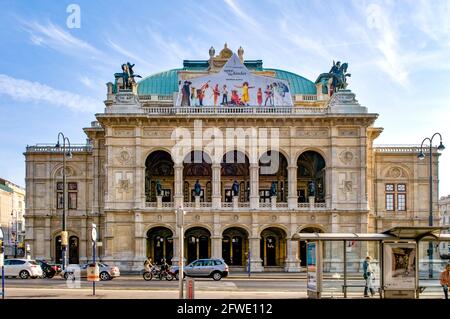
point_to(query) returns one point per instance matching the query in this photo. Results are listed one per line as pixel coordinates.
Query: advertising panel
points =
(400, 266)
(311, 264)
(234, 85)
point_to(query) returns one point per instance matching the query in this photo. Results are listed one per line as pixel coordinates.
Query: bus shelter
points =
(398, 251)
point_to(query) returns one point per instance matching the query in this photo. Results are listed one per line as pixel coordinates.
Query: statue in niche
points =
(197, 188)
(311, 188)
(273, 189)
(158, 188)
(235, 188)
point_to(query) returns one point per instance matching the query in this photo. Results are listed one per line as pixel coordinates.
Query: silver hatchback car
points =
(215, 268)
(106, 272)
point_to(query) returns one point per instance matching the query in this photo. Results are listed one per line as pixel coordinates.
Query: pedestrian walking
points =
(369, 277)
(445, 280)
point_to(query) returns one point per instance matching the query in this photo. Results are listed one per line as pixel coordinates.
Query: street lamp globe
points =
(441, 147)
(421, 156)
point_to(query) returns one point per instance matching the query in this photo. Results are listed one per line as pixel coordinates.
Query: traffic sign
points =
(94, 232)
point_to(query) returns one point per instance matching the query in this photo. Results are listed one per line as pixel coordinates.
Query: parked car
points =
(106, 272)
(214, 267)
(23, 268)
(47, 270)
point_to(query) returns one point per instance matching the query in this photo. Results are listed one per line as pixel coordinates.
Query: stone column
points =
(273, 201)
(235, 202)
(159, 201)
(292, 183)
(140, 242)
(197, 202)
(335, 258)
(254, 186)
(255, 257)
(216, 196)
(292, 263)
(178, 196)
(216, 246)
(139, 182)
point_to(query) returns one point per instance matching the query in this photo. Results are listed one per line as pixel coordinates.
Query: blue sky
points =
(52, 78)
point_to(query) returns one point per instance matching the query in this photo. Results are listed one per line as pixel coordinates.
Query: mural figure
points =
(216, 94)
(259, 96)
(193, 96)
(224, 95)
(201, 92)
(269, 95)
(235, 98)
(245, 96)
(185, 94)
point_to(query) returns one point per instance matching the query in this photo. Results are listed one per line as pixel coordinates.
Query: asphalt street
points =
(133, 286)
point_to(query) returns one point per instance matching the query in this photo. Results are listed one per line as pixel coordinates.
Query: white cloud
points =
(27, 91)
(57, 38)
(387, 42)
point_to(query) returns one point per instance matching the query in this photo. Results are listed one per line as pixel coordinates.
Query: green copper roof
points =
(166, 83)
(298, 84)
(6, 188)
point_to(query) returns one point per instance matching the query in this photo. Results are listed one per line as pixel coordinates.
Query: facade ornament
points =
(212, 52)
(346, 157)
(241, 54)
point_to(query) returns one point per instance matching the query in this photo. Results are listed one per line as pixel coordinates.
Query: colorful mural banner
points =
(234, 85)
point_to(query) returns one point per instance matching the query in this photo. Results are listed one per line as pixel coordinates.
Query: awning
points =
(396, 233)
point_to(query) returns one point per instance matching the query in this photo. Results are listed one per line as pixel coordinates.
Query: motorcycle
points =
(154, 272)
(158, 273)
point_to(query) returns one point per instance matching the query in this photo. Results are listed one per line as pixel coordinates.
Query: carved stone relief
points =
(348, 132)
(124, 185)
(311, 133)
(161, 133)
(395, 172)
(123, 132)
(348, 184)
(123, 156)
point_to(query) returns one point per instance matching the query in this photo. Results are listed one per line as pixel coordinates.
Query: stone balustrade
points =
(226, 110)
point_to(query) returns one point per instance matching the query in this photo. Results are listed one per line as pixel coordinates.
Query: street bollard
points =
(190, 288)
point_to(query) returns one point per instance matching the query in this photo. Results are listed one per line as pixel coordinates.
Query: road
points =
(134, 287)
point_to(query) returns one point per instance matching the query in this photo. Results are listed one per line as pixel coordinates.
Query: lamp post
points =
(2, 263)
(17, 231)
(421, 156)
(64, 234)
(180, 223)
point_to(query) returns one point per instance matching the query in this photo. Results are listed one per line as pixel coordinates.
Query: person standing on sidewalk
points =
(368, 274)
(445, 280)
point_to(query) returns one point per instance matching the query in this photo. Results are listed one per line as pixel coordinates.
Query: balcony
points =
(234, 110)
(243, 206)
(50, 148)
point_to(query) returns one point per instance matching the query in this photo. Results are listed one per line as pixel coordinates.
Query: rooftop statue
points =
(125, 79)
(336, 79)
